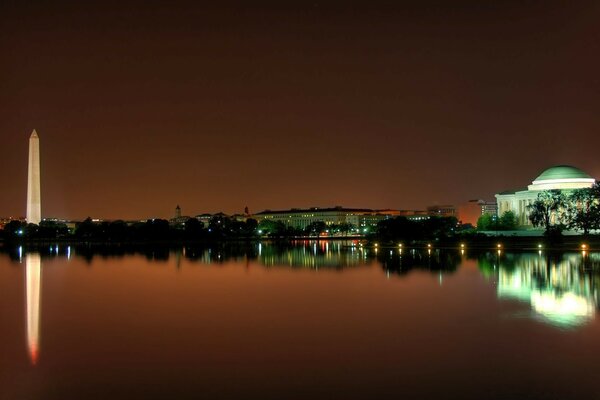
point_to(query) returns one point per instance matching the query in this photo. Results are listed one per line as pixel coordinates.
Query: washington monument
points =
(34, 200)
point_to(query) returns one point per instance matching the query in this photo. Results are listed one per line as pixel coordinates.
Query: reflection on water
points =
(33, 272)
(311, 254)
(298, 320)
(561, 289)
(306, 254)
(402, 261)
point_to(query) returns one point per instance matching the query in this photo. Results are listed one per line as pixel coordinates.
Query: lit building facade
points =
(561, 177)
(301, 218)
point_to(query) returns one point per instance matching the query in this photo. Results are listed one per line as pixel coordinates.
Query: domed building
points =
(562, 177)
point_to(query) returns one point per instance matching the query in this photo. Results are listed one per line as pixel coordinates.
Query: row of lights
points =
(584, 247)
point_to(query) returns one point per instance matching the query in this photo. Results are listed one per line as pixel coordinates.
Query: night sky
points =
(143, 106)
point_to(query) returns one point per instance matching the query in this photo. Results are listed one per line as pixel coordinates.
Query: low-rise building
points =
(441, 211)
(360, 218)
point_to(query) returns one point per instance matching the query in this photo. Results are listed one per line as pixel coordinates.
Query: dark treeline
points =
(154, 230)
(269, 254)
(402, 229)
(220, 227)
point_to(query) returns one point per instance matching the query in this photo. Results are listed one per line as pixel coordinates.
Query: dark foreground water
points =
(318, 320)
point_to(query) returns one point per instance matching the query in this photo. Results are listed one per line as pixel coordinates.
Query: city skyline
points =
(143, 107)
(34, 214)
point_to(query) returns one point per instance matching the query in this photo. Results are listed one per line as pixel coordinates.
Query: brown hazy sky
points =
(141, 106)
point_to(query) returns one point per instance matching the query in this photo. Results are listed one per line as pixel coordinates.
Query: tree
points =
(484, 222)
(52, 229)
(193, 229)
(14, 229)
(344, 228)
(156, 229)
(250, 227)
(220, 225)
(86, 229)
(276, 229)
(488, 222)
(315, 228)
(548, 211)
(267, 227)
(584, 209)
(439, 227)
(399, 228)
(508, 221)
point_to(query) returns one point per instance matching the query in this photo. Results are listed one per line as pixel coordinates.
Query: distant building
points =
(441, 211)
(561, 177)
(204, 219)
(470, 212)
(360, 218)
(240, 217)
(414, 215)
(178, 219)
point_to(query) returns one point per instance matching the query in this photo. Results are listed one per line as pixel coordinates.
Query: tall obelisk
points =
(34, 200)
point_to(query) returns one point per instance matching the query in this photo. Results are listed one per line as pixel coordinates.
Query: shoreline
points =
(504, 243)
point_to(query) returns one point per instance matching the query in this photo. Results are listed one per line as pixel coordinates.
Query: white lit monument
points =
(34, 201)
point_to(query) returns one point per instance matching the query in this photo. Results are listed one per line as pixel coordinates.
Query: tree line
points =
(489, 222)
(219, 227)
(402, 229)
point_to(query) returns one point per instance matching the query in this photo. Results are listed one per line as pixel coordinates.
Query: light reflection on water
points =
(560, 291)
(33, 272)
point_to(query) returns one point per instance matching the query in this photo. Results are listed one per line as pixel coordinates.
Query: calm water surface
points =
(315, 320)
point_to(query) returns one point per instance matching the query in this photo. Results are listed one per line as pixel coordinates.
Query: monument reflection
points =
(33, 279)
(562, 289)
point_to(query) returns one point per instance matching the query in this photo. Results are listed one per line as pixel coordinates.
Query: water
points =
(314, 320)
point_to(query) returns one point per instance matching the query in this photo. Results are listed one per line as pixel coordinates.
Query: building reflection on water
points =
(312, 255)
(33, 279)
(305, 254)
(561, 289)
(402, 261)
